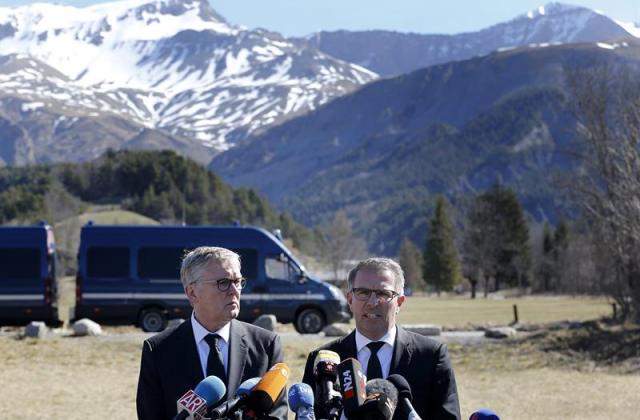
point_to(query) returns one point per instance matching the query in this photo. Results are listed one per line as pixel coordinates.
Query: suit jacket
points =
(170, 366)
(422, 361)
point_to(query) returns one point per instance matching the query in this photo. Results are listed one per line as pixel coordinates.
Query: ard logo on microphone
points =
(191, 401)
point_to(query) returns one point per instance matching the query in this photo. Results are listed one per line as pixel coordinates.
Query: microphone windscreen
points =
(300, 395)
(267, 390)
(326, 364)
(384, 393)
(246, 387)
(401, 384)
(211, 389)
(327, 356)
(484, 414)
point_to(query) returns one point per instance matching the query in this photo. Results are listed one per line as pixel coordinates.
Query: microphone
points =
(484, 414)
(381, 401)
(301, 401)
(353, 383)
(238, 403)
(404, 397)
(267, 391)
(326, 373)
(194, 404)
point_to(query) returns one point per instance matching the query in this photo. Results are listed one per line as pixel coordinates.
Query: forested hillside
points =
(160, 185)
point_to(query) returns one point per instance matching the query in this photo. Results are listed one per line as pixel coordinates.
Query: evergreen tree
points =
(499, 225)
(546, 265)
(411, 263)
(441, 263)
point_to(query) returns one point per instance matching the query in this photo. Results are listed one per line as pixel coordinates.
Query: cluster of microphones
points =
(342, 390)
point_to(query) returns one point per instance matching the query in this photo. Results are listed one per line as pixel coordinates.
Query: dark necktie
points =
(215, 366)
(374, 370)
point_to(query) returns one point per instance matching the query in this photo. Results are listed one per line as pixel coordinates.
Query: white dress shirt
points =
(200, 332)
(384, 354)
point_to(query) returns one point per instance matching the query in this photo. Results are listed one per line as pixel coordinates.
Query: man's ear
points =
(401, 299)
(190, 291)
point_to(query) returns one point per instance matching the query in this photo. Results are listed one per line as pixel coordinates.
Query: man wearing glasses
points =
(383, 348)
(212, 342)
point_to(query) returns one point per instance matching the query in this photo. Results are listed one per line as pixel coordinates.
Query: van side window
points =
(280, 268)
(160, 263)
(108, 262)
(248, 262)
(19, 263)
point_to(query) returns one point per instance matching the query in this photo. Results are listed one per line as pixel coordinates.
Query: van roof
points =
(188, 236)
(27, 236)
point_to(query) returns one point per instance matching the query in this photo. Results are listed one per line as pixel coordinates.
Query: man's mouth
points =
(372, 316)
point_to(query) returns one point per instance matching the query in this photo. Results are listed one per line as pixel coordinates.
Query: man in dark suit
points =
(375, 296)
(211, 342)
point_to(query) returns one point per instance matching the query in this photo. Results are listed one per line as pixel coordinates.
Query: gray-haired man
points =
(211, 342)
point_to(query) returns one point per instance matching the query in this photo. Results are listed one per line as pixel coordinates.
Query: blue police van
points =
(131, 274)
(28, 286)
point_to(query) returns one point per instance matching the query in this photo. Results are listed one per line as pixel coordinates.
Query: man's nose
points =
(234, 288)
(376, 299)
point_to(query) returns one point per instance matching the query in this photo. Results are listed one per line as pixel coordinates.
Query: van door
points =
(106, 283)
(22, 284)
(283, 288)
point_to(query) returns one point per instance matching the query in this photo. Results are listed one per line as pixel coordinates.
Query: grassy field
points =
(559, 375)
(78, 378)
(462, 312)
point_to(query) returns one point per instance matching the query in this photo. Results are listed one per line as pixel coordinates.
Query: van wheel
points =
(152, 320)
(310, 321)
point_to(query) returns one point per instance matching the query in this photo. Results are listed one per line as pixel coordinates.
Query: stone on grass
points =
(37, 329)
(268, 322)
(85, 326)
(335, 330)
(500, 332)
(424, 329)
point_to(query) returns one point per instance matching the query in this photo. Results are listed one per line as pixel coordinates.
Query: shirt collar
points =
(200, 332)
(389, 338)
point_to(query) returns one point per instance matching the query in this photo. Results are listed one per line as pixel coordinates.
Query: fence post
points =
(615, 310)
(515, 314)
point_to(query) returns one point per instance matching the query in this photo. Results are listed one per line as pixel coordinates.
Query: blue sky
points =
(301, 17)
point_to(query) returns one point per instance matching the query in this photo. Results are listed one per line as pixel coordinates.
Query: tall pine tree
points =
(411, 263)
(441, 262)
(499, 224)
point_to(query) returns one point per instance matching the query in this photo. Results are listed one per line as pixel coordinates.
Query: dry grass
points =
(462, 312)
(77, 378)
(556, 375)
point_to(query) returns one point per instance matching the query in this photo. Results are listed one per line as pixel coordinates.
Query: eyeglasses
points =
(225, 284)
(364, 294)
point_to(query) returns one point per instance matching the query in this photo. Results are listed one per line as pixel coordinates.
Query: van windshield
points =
(19, 263)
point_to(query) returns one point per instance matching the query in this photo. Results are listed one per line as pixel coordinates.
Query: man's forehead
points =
(226, 265)
(377, 275)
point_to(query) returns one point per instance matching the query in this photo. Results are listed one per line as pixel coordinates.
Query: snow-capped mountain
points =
(170, 65)
(393, 53)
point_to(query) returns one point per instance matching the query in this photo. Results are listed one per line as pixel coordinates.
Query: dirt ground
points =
(592, 372)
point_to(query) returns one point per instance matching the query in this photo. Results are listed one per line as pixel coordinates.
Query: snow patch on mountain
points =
(174, 65)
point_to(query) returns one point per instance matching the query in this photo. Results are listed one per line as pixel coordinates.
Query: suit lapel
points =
(347, 347)
(237, 357)
(402, 351)
(189, 353)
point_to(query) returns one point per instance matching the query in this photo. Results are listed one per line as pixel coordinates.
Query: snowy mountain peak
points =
(553, 9)
(169, 65)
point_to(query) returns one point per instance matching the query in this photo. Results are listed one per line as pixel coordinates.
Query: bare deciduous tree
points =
(341, 244)
(606, 102)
